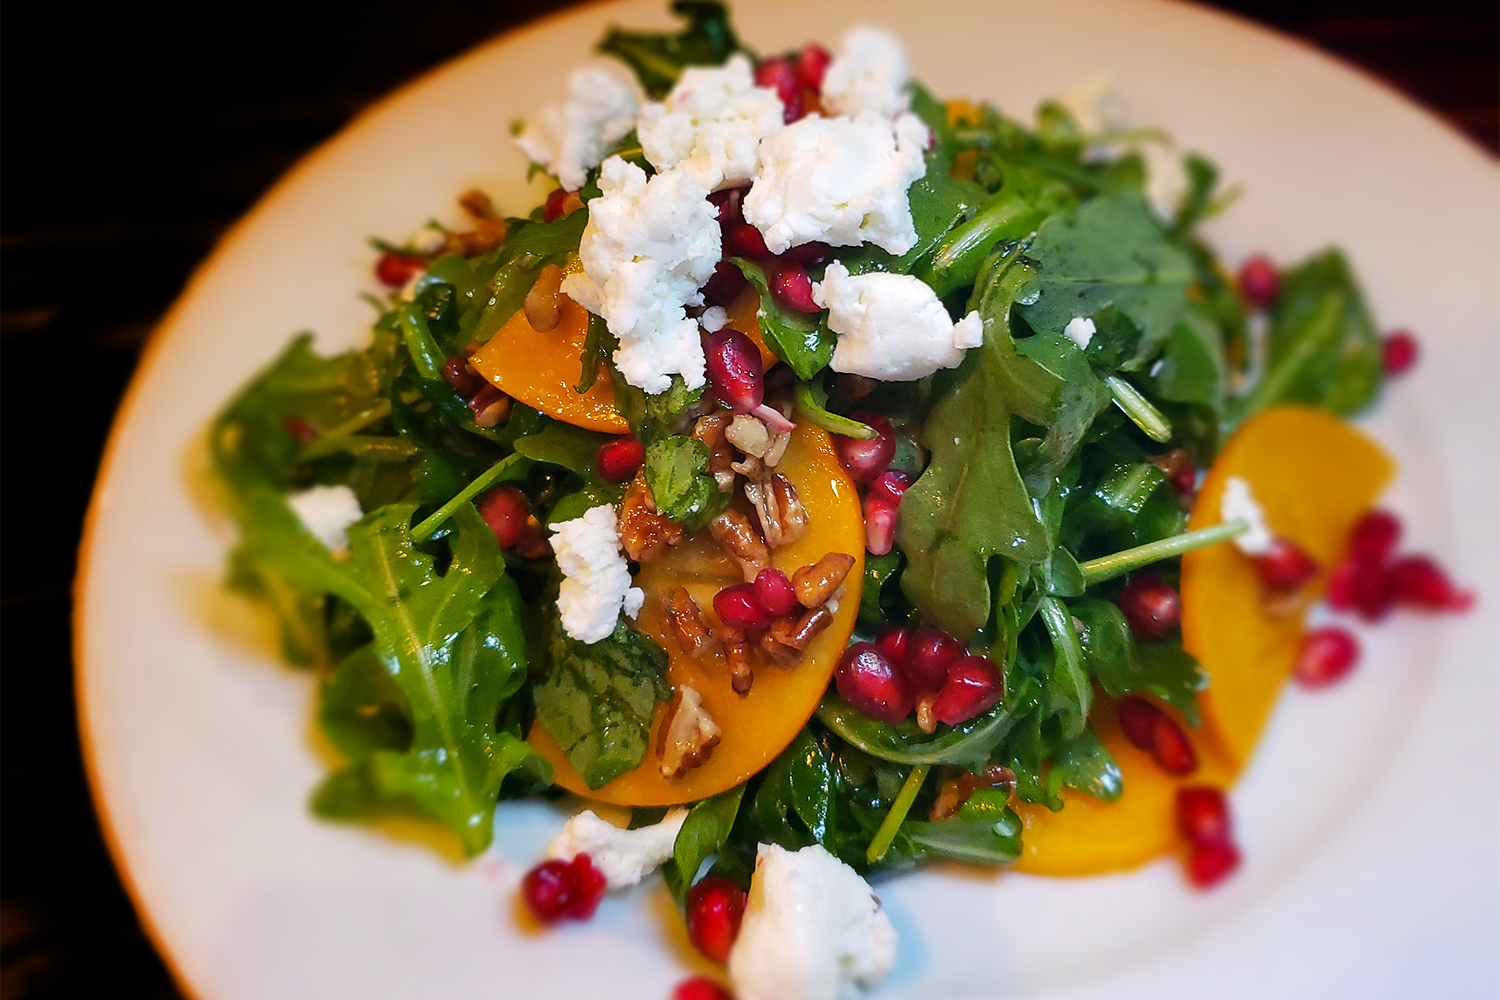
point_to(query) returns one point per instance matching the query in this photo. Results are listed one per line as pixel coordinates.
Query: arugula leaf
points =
(1087, 765)
(985, 830)
(1192, 367)
(683, 488)
(903, 743)
(879, 570)
(562, 444)
(1123, 665)
(703, 834)
(803, 341)
(597, 699)
(659, 58)
(1068, 692)
(1026, 199)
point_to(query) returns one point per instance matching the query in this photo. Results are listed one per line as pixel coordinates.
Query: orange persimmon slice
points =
(1313, 475)
(759, 725)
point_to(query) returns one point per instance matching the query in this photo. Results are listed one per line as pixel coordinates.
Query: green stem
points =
(1139, 409)
(419, 343)
(818, 414)
(1118, 563)
(327, 442)
(486, 478)
(893, 819)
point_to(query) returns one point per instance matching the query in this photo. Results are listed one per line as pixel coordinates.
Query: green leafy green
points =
(985, 831)
(1123, 665)
(703, 834)
(803, 341)
(659, 58)
(684, 489)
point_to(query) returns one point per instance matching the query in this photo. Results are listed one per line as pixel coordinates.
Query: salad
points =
(836, 478)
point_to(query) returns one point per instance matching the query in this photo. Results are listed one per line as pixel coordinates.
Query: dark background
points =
(131, 140)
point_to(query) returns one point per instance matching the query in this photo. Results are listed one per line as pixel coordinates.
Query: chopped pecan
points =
(783, 519)
(644, 532)
(688, 736)
(954, 792)
(710, 430)
(757, 440)
(817, 583)
(488, 231)
(543, 302)
(788, 636)
(926, 721)
(735, 532)
(737, 655)
(693, 635)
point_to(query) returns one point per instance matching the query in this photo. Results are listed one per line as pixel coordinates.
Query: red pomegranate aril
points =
(880, 526)
(1137, 720)
(557, 890)
(930, 653)
(779, 75)
(894, 642)
(618, 460)
(775, 593)
(481, 401)
(1260, 284)
(1340, 593)
(725, 285)
(737, 607)
(1326, 657)
(730, 204)
(869, 682)
(807, 254)
(552, 208)
(1375, 536)
(700, 988)
(1170, 747)
(812, 63)
(973, 685)
(1180, 470)
(1203, 816)
(396, 269)
(505, 509)
(1208, 866)
(1398, 352)
(715, 907)
(1150, 605)
(866, 459)
(791, 287)
(734, 369)
(890, 486)
(1418, 582)
(456, 373)
(1371, 590)
(1285, 566)
(744, 240)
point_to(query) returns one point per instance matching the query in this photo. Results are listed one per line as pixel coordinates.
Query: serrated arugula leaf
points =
(658, 58)
(704, 832)
(596, 699)
(1085, 764)
(1192, 367)
(1124, 665)
(985, 830)
(683, 488)
(803, 341)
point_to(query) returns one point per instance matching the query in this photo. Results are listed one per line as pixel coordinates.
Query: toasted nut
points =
(773, 454)
(644, 532)
(687, 622)
(926, 721)
(817, 583)
(734, 531)
(737, 654)
(489, 227)
(710, 430)
(749, 435)
(954, 792)
(543, 302)
(787, 637)
(782, 516)
(688, 736)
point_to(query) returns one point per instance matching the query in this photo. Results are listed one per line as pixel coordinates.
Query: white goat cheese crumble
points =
(1238, 505)
(711, 124)
(648, 247)
(1080, 330)
(328, 512)
(870, 73)
(840, 180)
(813, 930)
(570, 138)
(624, 857)
(891, 327)
(596, 578)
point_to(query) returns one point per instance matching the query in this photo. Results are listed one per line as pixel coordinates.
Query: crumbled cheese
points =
(328, 512)
(711, 123)
(1096, 105)
(813, 930)
(870, 73)
(1080, 330)
(596, 578)
(647, 248)
(569, 139)
(714, 319)
(840, 180)
(891, 327)
(1238, 505)
(624, 857)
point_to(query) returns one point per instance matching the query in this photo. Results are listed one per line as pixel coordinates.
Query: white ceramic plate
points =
(1368, 820)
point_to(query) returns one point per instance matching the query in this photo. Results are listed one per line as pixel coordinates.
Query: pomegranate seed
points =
(1398, 352)
(1375, 536)
(552, 209)
(618, 459)
(1170, 747)
(1203, 816)
(1259, 282)
(725, 285)
(893, 642)
(868, 681)
(812, 63)
(1371, 590)
(973, 685)
(1418, 582)
(506, 510)
(1285, 566)
(890, 486)
(773, 418)
(557, 890)
(929, 654)
(1341, 585)
(865, 460)
(880, 526)
(396, 269)
(791, 287)
(1137, 720)
(730, 203)
(779, 75)
(1208, 866)
(734, 369)
(1180, 470)
(456, 373)
(807, 254)
(1326, 656)
(775, 593)
(737, 607)
(483, 404)
(1150, 605)
(715, 907)
(301, 431)
(700, 988)
(744, 240)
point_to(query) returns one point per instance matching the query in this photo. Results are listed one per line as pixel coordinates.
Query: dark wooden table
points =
(132, 139)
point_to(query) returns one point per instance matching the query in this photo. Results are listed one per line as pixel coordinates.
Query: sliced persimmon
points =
(1313, 475)
(540, 369)
(757, 726)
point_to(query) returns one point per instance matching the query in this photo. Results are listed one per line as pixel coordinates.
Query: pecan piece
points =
(710, 430)
(926, 721)
(737, 655)
(688, 736)
(818, 582)
(954, 792)
(734, 531)
(783, 519)
(644, 532)
(693, 635)
(543, 303)
(788, 636)
(488, 231)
